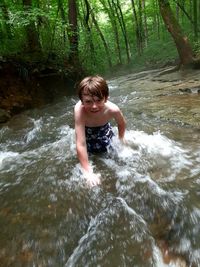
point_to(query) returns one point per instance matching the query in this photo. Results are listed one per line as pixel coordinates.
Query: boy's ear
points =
(106, 98)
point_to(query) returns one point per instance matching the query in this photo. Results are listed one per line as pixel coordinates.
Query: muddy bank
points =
(24, 86)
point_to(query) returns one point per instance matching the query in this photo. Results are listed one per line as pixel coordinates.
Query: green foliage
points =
(51, 27)
(151, 56)
(196, 48)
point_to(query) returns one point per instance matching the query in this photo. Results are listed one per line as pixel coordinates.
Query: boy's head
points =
(93, 86)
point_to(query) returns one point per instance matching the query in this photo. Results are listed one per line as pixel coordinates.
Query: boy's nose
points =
(94, 105)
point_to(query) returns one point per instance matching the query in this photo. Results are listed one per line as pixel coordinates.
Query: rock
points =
(185, 90)
(4, 116)
(192, 90)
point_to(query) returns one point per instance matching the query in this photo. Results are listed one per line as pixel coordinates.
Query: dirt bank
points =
(25, 86)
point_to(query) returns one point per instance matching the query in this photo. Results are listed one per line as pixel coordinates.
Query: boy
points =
(92, 114)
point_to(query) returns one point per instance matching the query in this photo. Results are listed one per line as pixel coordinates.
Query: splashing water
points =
(146, 211)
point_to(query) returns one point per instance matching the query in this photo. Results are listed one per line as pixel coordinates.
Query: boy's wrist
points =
(92, 179)
(87, 169)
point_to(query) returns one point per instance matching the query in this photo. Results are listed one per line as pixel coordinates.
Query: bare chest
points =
(94, 120)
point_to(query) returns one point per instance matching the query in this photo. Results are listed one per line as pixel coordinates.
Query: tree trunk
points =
(120, 17)
(5, 16)
(102, 38)
(89, 39)
(113, 21)
(181, 41)
(145, 23)
(156, 18)
(116, 33)
(63, 18)
(195, 20)
(73, 33)
(137, 29)
(33, 43)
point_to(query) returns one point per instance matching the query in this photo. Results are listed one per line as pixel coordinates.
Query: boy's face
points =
(93, 104)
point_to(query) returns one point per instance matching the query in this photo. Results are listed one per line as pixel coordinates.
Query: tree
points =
(63, 18)
(120, 17)
(102, 38)
(33, 43)
(6, 19)
(181, 41)
(195, 19)
(99, 33)
(73, 32)
(137, 29)
(89, 37)
(113, 21)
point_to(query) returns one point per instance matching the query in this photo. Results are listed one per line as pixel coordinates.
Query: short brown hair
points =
(93, 86)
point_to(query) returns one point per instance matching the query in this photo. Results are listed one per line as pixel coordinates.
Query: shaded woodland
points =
(47, 46)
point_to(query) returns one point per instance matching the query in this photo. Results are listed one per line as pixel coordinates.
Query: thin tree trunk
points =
(33, 43)
(102, 38)
(195, 19)
(116, 33)
(6, 19)
(89, 36)
(156, 18)
(63, 18)
(141, 30)
(145, 23)
(123, 27)
(182, 8)
(138, 40)
(73, 32)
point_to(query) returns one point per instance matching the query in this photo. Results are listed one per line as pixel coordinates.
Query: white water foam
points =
(56, 151)
(7, 156)
(157, 144)
(37, 126)
(98, 229)
(144, 152)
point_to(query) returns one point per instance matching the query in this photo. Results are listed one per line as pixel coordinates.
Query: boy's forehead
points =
(89, 96)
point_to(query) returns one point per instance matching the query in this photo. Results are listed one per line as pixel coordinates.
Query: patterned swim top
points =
(98, 138)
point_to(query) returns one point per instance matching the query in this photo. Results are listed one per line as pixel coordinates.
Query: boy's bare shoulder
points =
(112, 107)
(78, 111)
(78, 107)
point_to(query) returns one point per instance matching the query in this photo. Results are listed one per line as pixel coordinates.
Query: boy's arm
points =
(81, 147)
(121, 123)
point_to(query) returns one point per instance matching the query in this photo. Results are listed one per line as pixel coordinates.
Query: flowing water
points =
(145, 212)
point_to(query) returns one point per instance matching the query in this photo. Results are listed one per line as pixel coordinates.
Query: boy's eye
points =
(88, 102)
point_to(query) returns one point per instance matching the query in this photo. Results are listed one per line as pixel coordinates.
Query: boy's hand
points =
(92, 179)
(124, 142)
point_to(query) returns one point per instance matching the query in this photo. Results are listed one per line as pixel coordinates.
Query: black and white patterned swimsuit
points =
(98, 139)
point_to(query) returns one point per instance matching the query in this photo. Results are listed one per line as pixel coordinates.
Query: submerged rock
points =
(4, 116)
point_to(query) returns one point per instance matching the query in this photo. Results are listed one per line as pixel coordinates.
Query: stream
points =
(145, 212)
